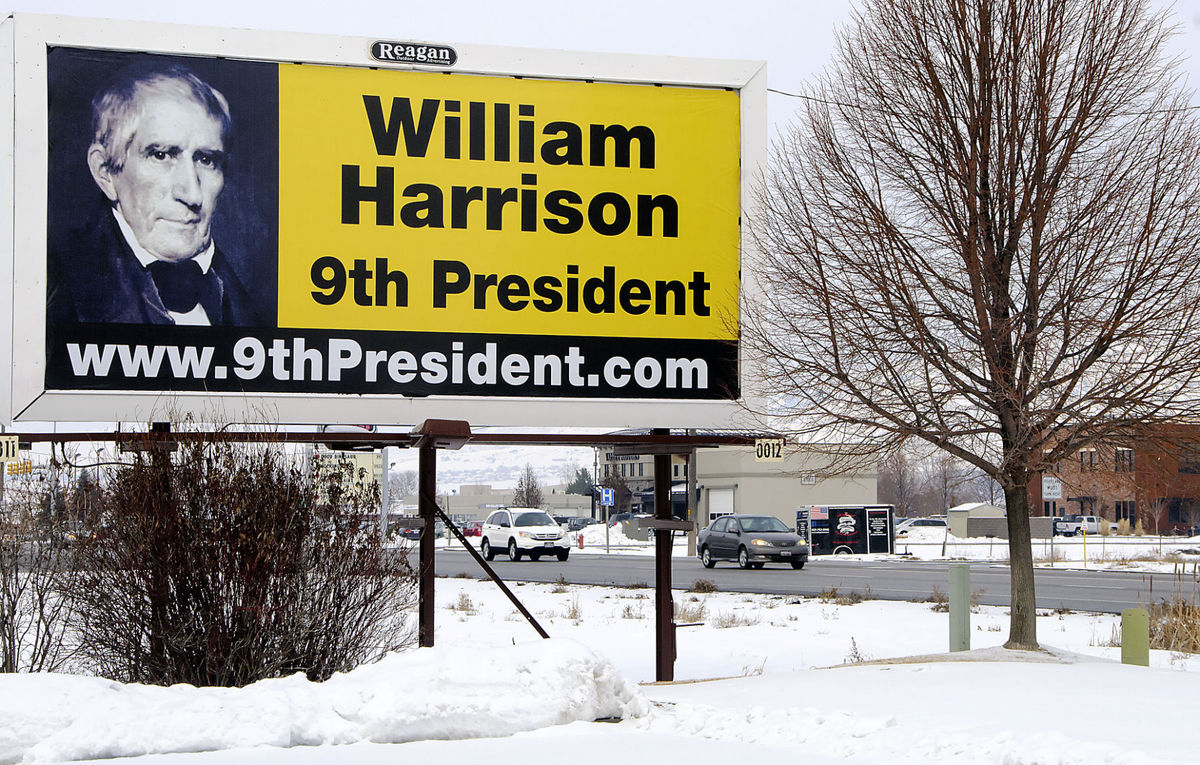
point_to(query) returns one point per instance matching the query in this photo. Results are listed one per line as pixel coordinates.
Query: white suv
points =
(522, 531)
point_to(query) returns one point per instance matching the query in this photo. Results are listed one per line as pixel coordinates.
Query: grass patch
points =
(690, 613)
(845, 599)
(1175, 626)
(727, 619)
(574, 610)
(463, 604)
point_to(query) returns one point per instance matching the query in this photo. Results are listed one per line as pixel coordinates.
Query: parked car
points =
(618, 518)
(523, 531)
(920, 523)
(579, 523)
(472, 528)
(751, 540)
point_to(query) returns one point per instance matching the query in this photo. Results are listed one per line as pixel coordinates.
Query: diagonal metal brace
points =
(489, 570)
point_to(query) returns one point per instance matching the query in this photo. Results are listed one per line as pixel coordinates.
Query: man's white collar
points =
(204, 259)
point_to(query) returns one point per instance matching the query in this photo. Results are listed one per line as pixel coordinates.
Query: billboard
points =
(347, 230)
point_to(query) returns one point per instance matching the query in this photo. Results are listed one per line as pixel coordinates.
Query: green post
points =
(1135, 637)
(960, 607)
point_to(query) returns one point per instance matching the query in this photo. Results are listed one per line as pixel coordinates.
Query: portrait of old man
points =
(161, 138)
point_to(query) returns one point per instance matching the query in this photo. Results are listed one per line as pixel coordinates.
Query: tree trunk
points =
(1022, 623)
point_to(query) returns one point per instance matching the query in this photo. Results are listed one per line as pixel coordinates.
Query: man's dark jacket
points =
(97, 279)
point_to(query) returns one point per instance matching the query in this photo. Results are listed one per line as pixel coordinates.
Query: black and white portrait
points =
(155, 216)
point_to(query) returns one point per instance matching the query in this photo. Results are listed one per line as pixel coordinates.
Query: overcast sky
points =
(795, 37)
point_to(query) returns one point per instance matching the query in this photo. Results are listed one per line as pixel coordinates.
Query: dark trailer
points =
(846, 529)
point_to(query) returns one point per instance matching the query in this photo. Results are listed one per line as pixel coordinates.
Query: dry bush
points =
(34, 560)
(223, 564)
(1123, 528)
(940, 600)
(703, 586)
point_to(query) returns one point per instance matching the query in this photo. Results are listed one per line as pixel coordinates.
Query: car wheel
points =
(513, 552)
(797, 564)
(535, 556)
(843, 550)
(743, 558)
(486, 549)
(562, 554)
(706, 558)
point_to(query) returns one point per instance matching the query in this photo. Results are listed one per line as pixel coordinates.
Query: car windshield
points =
(763, 524)
(534, 519)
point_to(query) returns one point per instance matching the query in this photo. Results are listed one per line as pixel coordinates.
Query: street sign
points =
(1051, 488)
(607, 498)
(9, 448)
(768, 449)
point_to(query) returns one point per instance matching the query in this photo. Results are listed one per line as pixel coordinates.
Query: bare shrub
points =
(224, 564)
(855, 656)
(703, 586)
(939, 599)
(34, 559)
(560, 585)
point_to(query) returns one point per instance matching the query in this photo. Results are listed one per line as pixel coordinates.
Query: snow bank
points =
(435, 693)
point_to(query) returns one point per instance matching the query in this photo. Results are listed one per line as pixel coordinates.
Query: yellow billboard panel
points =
(414, 201)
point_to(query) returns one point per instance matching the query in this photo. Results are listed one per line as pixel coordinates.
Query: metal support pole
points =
(385, 495)
(664, 606)
(960, 607)
(427, 507)
(693, 503)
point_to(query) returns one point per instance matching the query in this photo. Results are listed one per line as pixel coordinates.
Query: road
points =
(1106, 591)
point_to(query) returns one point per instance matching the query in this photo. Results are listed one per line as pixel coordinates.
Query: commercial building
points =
(1151, 477)
(730, 479)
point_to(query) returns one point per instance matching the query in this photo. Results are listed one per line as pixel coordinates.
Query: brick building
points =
(1152, 479)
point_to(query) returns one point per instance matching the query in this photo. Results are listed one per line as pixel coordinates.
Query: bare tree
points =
(946, 479)
(402, 483)
(528, 492)
(897, 482)
(981, 233)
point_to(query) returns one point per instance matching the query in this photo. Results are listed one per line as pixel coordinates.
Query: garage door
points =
(720, 502)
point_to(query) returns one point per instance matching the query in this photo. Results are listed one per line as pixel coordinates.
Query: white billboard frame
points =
(24, 39)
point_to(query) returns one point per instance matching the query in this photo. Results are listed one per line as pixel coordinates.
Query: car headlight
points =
(525, 534)
(760, 543)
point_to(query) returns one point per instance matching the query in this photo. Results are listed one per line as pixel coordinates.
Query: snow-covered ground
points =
(764, 678)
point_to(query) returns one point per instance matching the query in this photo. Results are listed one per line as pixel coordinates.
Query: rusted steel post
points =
(664, 606)
(427, 508)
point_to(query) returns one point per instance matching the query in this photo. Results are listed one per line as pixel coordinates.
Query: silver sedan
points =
(751, 540)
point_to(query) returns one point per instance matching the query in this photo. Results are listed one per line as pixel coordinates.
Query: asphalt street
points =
(898, 579)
